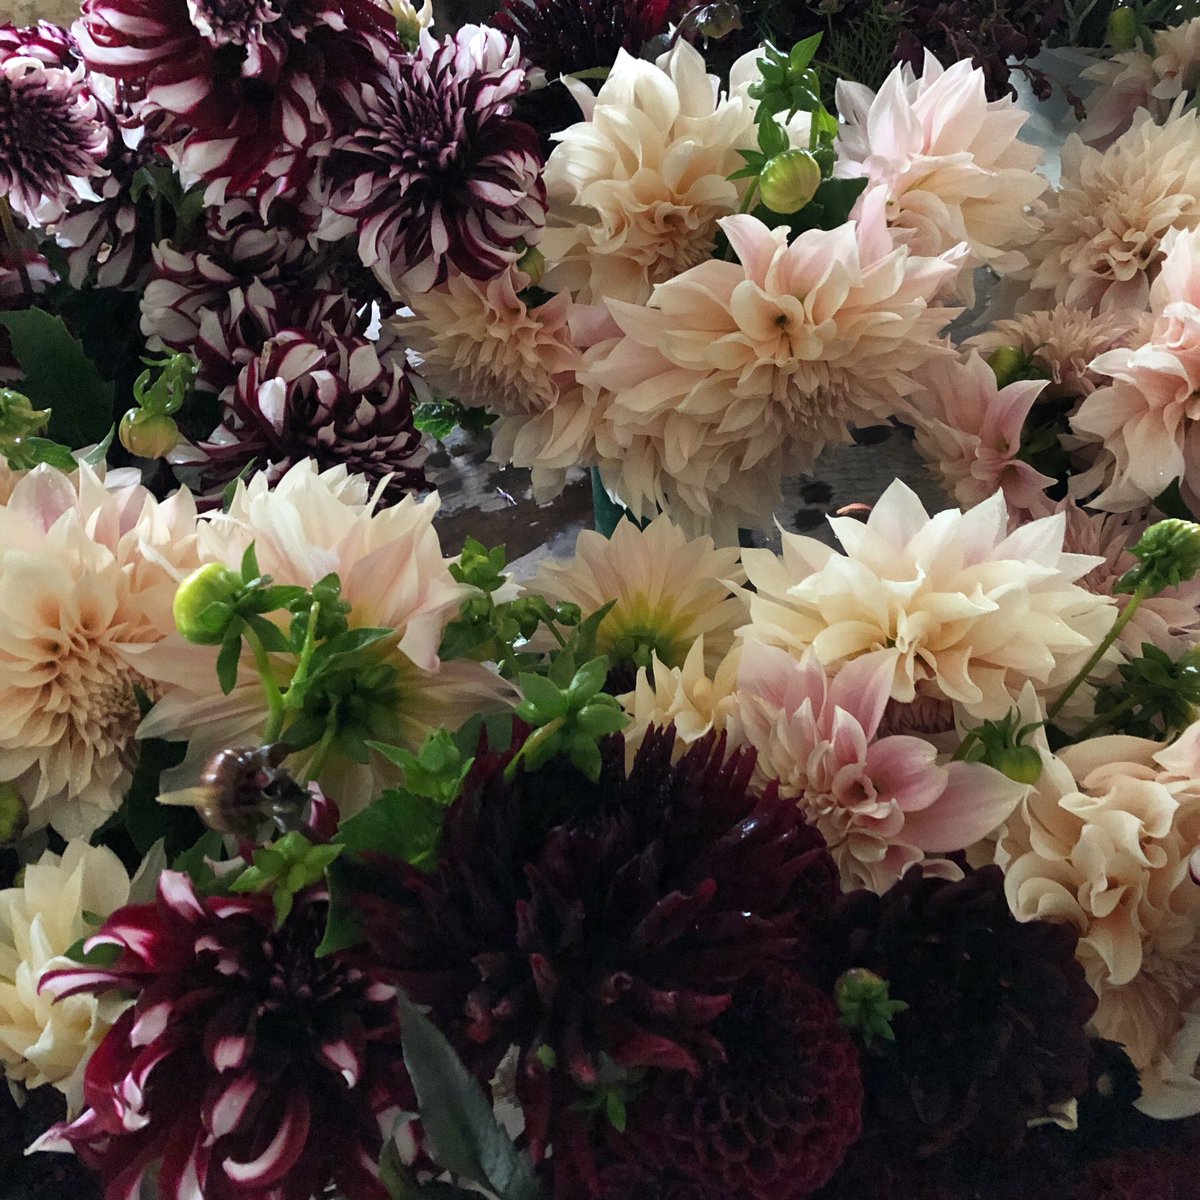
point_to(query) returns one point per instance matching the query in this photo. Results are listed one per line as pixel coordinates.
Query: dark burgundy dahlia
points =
(53, 135)
(591, 923)
(239, 93)
(341, 400)
(438, 174)
(994, 1035)
(247, 1068)
(563, 36)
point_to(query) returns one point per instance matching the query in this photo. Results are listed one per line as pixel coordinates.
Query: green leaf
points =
(99, 452)
(145, 819)
(50, 452)
(250, 569)
(196, 861)
(465, 1137)
(227, 663)
(398, 824)
(548, 700)
(346, 644)
(59, 376)
(589, 679)
(98, 956)
(274, 640)
(804, 52)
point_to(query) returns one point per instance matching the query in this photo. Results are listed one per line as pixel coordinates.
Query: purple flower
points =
(439, 175)
(247, 1067)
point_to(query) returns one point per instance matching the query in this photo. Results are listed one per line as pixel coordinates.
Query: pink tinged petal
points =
(976, 800)
(283, 1150)
(863, 686)
(229, 1051)
(905, 770)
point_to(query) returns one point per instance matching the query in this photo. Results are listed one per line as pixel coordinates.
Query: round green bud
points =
(1022, 764)
(13, 814)
(566, 613)
(1122, 29)
(533, 263)
(204, 603)
(1008, 364)
(789, 181)
(148, 435)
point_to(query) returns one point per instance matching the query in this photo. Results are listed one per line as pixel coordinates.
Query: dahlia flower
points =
(881, 803)
(1102, 242)
(613, 918)
(637, 188)
(438, 175)
(239, 94)
(1145, 419)
(968, 430)
(1102, 844)
(668, 589)
(994, 1035)
(564, 36)
(948, 161)
(335, 399)
(964, 610)
(89, 572)
(739, 371)
(247, 1066)
(773, 1118)
(53, 136)
(1138, 79)
(1064, 341)
(393, 574)
(42, 1042)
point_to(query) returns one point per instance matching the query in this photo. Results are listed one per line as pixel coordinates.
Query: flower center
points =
(222, 22)
(43, 138)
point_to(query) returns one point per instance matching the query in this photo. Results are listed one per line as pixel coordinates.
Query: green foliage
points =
(440, 418)
(1003, 745)
(613, 1090)
(862, 998)
(1168, 554)
(285, 868)
(1157, 697)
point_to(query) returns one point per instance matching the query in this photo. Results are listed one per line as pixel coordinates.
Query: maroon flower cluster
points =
(247, 1067)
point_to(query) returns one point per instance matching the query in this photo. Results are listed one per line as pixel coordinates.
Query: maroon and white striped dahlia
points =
(53, 135)
(332, 398)
(247, 1068)
(438, 174)
(240, 93)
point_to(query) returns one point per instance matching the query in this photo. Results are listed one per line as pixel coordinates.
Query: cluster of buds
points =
(149, 430)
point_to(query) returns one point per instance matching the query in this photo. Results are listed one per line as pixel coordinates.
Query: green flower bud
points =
(789, 181)
(862, 998)
(1009, 364)
(1122, 29)
(204, 603)
(1022, 764)
(18, 417)
(148, 435)
(533, 263)
(1168, 554)
(13, 814)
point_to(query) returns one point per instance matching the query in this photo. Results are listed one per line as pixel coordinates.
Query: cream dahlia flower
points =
(1065, 341)
(393, 575)
(636, 189)
(1102, 245)
(1103, 842)
(481, 343)
(668, 590)
(88, 573)
(737, 372)
(964, 610)
(1137, 79)
(968, 430)
(882, 803)
(688, 697)
(43, 1042)
(1146, 420)
(948, 161)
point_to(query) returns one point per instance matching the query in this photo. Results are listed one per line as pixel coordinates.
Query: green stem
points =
(535, 739)
(275, 703)
(748, 198)
(1143, 590)
(971, 738)
(304, 663)
(1094, 726)
(14, 243)
(320, 755)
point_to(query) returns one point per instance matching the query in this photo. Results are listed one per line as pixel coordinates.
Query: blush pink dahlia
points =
(736, 372)
(881, 803)
(53, 137)
(247, 1067)
(438, 174)
(237, 92)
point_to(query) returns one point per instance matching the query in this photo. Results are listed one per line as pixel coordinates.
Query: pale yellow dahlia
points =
(88, 573)
(1103, 842)
(43, 1042)
(393, 574)
(966, 611)
(636, 189)
(1104, 228)
(668, 590)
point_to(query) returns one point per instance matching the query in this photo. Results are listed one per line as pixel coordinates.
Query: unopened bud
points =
(203, 604)
(18, 417)
(866, 1008)
(1008, 364)
(410, 21)
(533, 263)
(1168, 554)
(1122, 29)
(148, 435)
(13, 814)
(789, 181)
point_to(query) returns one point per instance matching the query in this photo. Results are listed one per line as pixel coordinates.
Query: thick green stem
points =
(304, 663)
(320, 755)
(1094, 727)
(1143, 590)
(14, 244)
(275, 704)
(748, 198)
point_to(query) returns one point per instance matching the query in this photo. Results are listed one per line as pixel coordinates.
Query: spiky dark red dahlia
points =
(53, 136)
(437, 174)
(247, 1067)
(239, 93)
(340, 400)
(772, 1119)
(593, 920)
(562, 36)
(995, 1032)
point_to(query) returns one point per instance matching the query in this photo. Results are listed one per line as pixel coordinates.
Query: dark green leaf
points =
(97, 956)
(145, 819)
(250, 569)
(99, 452)
(342, 928)
(59, 376)
(47, 451)
(274, 640)
(227, 663)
